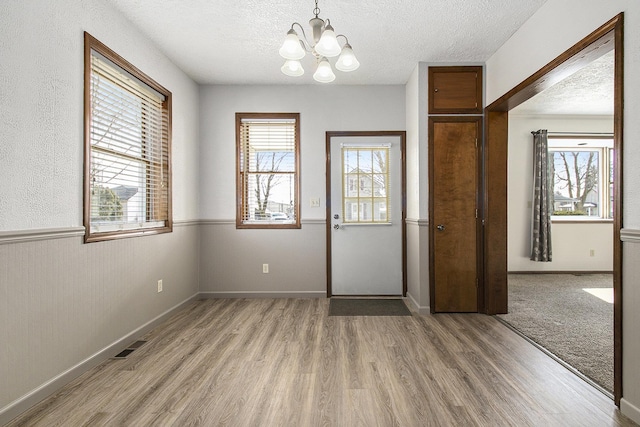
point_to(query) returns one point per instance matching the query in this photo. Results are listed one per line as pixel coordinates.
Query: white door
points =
(366, 214)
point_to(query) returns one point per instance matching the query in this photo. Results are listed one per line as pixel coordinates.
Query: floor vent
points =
(130, 349)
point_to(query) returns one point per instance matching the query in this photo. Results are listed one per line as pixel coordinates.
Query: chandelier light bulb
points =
(347, 60)
(291, 48)
(292, 68)
(328, 45)
(324, 73)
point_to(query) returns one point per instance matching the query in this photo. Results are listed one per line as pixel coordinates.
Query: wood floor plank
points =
(285, 362)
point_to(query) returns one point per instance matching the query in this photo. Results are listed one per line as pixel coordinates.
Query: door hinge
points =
(476, 213)
(477, 283)
(476, 142)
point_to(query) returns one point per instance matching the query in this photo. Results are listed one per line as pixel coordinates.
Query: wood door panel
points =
(454, 201)
(455, 90)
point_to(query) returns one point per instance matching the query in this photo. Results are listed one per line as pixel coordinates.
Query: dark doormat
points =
(367, 307)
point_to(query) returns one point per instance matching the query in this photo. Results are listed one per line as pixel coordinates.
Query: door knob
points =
(337, 226)
(336, 216)
(440, 227)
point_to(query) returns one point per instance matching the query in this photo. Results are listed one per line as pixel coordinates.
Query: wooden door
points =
(453, 204)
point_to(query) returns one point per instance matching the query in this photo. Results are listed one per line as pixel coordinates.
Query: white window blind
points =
(128, 159)
(268, 170)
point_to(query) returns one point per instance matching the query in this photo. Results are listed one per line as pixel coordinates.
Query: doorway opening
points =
(604, 39)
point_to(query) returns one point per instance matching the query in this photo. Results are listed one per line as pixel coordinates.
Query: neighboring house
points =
(563, 203)
(125, 193)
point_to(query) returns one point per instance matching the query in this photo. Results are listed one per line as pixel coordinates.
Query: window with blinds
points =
(127, 148)
(268, 170)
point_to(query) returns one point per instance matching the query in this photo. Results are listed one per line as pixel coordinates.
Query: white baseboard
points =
(420, 309)
(36, 395)
(252, 294)
(630, 410)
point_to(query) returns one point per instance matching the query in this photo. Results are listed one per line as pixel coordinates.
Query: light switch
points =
(315, 202)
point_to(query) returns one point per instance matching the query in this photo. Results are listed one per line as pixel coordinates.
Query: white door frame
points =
(402, 136)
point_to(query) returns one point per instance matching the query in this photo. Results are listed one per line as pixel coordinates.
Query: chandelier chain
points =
(316, 10)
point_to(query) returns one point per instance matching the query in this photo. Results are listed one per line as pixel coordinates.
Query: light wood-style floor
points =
(284, 362)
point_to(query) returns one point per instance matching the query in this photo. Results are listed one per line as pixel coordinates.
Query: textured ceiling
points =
(237, 41)
(587, 91)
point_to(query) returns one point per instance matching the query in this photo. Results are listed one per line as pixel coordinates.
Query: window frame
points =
(155, 198)
(605, 154)
(240, 185)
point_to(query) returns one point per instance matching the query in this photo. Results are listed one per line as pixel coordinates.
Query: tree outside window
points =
(582, 172)
(268, 170)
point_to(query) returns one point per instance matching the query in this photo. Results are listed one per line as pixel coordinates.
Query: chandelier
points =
(325, 45)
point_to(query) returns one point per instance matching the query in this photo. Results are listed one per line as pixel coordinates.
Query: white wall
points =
(417, 142)
(61, 301)
(417, 188)
(41, 143)
(232, 259)
(571, 242)
(557, 26)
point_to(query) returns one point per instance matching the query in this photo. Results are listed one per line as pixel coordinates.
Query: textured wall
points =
(553, 29)
(41, 109)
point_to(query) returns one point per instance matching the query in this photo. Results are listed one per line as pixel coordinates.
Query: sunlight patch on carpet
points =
(605, 294)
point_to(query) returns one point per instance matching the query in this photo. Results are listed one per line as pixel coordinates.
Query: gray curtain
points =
(542, 199)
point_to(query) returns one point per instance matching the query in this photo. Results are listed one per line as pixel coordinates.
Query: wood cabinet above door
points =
(455, 90)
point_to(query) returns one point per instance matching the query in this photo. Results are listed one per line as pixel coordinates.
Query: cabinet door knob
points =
(440, 227)
(435, 90)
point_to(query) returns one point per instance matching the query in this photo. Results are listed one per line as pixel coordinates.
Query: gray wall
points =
(232, 259)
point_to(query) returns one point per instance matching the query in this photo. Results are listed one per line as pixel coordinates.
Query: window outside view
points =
(582, 173)
(127, 154)
(365, 176)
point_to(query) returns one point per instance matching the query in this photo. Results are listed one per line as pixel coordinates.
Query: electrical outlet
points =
(265, 268)
(160, 285)
(315, 202)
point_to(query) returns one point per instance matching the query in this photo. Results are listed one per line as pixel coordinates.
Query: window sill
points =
(266, 225)
(578, 220)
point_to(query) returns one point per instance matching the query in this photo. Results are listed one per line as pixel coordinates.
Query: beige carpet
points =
(556, 312)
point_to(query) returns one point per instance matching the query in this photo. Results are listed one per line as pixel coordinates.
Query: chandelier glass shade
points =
(325, 45)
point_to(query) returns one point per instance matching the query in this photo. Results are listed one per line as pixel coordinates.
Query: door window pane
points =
(365, 177)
